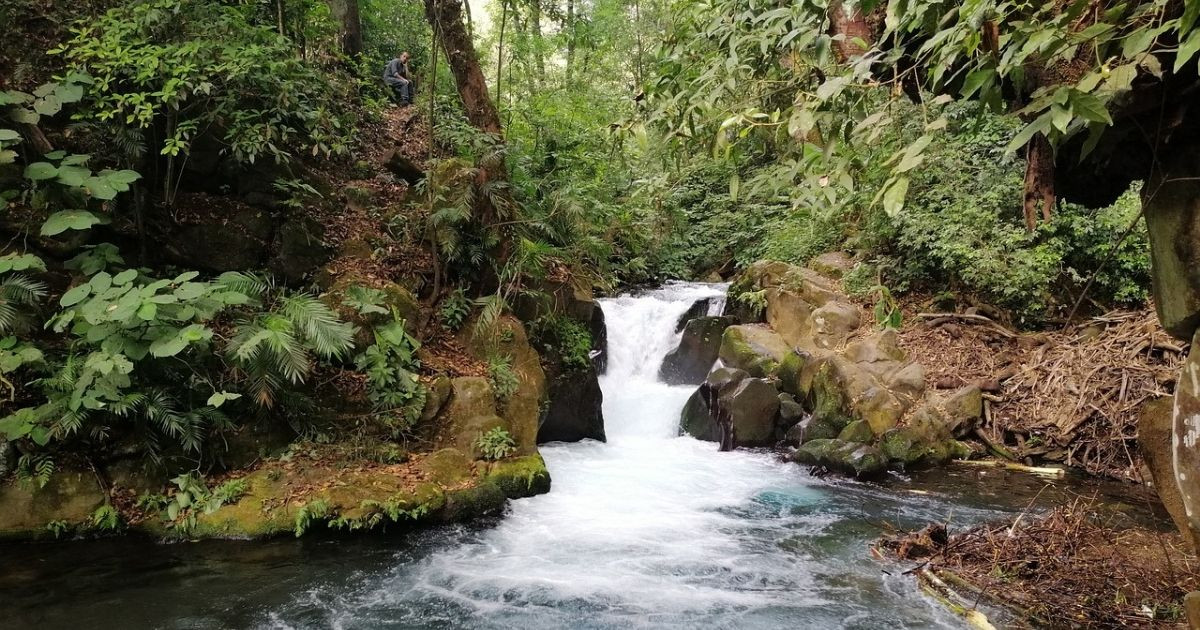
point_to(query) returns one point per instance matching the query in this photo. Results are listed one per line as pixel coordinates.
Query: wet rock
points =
(849, 458)
(753, 348)
(955, 415)
(447, 466)
(811, 428)
(1173, 225)
(696, 419)
(857, 431)
(790, 411)
(697, 351)
(699, 309)
(574, 409)
(796, 372)
(752, 404)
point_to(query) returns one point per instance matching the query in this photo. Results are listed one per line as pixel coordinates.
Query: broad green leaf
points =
(125, 277)
(75, 295)
(60, 222)
(39, 171)
(220, 398)
(8, 135)
(148, 311)
(48, 105)
(1089, 107)
(101, 282)
(893, 198)
(1187, 50)
(168, 346)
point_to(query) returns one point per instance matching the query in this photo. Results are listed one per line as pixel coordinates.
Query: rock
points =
(70, 496)
(908, 448)
(698, 309)
(833, 323)
(574, 409)
(8, 459)
(857, 431)
(695, 419)
(790, 315)
(396, 298)
(697, 351)
(437, 393)
(255, 441)
(522, 410)
(753, 348)
(405, 169)
(752, 404)
(1173, 225)
(236, 242)
(790, 411)
(470, 412)
(811, 428)
(446, 467)
(842, 393)
(299, 249)
(796, 372)
(832, 264)
(1154, 442)
(850, 458)
(956, 415)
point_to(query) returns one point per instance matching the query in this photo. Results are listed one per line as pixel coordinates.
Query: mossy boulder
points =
(447, 467)
(754, 348)
(698, 349)
(520, 476)
(522, 409)
(437, 394)
(945, 417)
(69, 497)
(842, 392)
(470, 412)
(851, 458)
(907, 448)
(752, 404)
(395, 298)
(857, 431)
(574, 408)
(695, 419)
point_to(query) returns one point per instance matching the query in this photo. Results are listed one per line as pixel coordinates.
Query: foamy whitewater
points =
(651, 529)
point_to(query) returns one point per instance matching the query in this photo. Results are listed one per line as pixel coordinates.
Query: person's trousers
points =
(402, 89)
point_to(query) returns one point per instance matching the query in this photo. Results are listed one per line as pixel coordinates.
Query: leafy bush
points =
(455, 309)
(566, 337)
(504, 379)
(392, 368)
(495, 444)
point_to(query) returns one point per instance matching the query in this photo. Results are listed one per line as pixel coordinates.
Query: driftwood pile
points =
(1069, 396)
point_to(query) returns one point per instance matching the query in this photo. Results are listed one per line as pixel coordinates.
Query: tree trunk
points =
(569, 30)
(535, 23)
(445, 16)
(346, 13)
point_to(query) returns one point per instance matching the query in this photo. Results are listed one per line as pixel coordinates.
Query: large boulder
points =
(696, 420)
(952, 416)
(833, 323)
(790, 315)
(697, 351)
(754, 348)
(574, 409)
(470, 412)
(752, 404)
(698, 309)
(521, 411)
(69, 497)
(1173, 223)
(851, 458)
(832, 264)
(1154, 441)
(842, 392)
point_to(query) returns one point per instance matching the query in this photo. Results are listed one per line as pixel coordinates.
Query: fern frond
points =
(245, 283)
(319, 325)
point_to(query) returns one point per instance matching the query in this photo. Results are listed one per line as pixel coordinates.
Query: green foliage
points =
(365, 300)
(754, 301)
(274, 347)
(191, 498)
(495, 444)
(310, 513)
(455, 309)
(58, 528)
(106, 518)
(566, 337)
(887, 309)
(392, 369)
(186, 67)
(505, 380)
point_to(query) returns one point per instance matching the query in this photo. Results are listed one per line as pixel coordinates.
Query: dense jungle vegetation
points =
(599, 144)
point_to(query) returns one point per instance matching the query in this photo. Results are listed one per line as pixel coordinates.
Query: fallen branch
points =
(972, 318)
(1044, 471)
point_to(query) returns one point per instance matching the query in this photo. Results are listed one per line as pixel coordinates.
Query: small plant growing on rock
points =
(106, 518)
(310, 513)
(756, 301)
(887, 309)
(495, 444)
(504, 378)
(58, 528)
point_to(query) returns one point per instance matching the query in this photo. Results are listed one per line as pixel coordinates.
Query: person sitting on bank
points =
(397, 77)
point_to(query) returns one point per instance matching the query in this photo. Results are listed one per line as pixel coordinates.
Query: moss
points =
(447, 467)
(857, 431)
(520, 476)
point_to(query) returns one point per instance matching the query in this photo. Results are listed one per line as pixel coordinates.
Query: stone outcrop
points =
(574, 410)
(697, 351)
(1154, 440)
(521, 411)
(852, 392)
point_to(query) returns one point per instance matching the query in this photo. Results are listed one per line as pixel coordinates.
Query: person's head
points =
(404, 56)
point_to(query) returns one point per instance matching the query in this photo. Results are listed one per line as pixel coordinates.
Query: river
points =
(648, 530)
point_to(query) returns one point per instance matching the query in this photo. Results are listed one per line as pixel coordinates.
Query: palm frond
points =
(319, 325)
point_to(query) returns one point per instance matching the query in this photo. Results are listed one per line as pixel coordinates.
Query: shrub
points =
(495, 444)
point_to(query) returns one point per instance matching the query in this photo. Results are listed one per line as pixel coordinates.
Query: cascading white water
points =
(651, 529)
